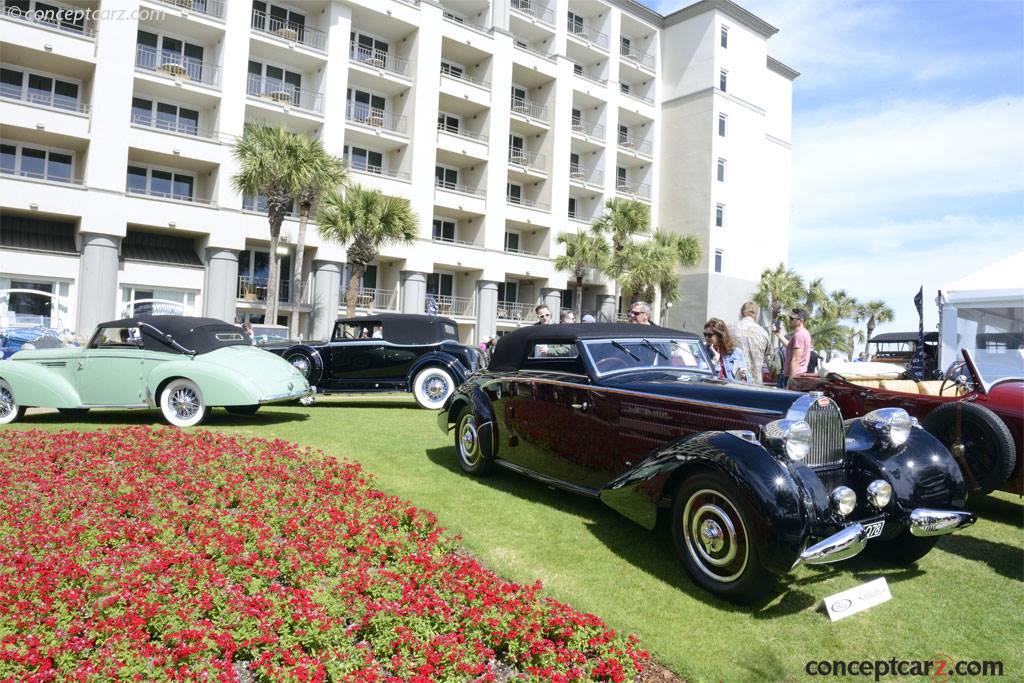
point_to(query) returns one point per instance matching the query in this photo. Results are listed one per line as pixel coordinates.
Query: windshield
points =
(608, 356)
(996, 365)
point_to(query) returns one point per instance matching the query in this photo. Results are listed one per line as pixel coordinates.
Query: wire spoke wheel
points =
(182, 403)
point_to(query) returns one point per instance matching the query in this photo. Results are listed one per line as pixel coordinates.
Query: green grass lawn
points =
(965, 600)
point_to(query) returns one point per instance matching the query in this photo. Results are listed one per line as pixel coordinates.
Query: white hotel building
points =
(504, 122)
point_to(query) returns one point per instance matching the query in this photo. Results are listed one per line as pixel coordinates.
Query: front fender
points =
(473, 397)
(36, 386)
(781, 520)
(445, 360)
(219, 386)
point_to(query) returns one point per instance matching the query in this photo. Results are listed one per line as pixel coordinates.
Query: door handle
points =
(80, 365)
(582, 407)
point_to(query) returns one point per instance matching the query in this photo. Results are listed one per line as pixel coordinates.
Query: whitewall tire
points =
(9, 408)
(432, 387)
(182, 403)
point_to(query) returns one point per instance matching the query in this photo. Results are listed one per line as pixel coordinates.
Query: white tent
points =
(984, 313)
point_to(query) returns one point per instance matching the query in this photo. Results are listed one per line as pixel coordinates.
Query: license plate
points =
(874, 529)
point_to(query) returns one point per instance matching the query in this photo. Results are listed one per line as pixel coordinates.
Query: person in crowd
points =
(589, 318)
(543, 315)
(483, 343)
(640, 313)
(798, 346)
(753, 340)
(247, 331)
(567, 317)
(727, 359)
(861, 358)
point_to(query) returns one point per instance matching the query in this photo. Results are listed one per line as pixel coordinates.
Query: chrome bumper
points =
(925, 522)
(289, 396)
(837, 547)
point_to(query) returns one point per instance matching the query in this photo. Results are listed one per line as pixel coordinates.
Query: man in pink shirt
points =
(798, 348)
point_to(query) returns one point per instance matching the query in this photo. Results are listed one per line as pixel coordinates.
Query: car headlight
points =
(879, 493)
(792, 437)
(891, 424)
(844, 500)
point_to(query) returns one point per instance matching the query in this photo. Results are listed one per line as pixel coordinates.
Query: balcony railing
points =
(528, 203)
(637, 95)
(584, 217)
(526, 47)
(529, 108)
(462, 76)
(378, 59)
(62, 18)
(637, 57)
(46, 176)
(284, 93)
(593, 79)
(373, 299)
(584, 127)
(456, 187)
(170, 194)
(179, 127)
(642, 190)
(521, 157)
(372, 169)
(46, 100)
(255, 288)
(479, 23)
(521, 250)
(289, 30)
(456, 306)
(258, 203)
(177, 65)
(636, 145)
(582, 175)
(461, 132)
(515, 311)
(375, 118)
(533, 8)
(591, 35)
(211, 8)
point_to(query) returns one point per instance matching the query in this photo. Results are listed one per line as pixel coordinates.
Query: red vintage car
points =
(977, 411)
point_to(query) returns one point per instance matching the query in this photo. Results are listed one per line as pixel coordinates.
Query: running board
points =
(550, 481)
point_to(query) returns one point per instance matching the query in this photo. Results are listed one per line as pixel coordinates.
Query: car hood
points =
(708, 390)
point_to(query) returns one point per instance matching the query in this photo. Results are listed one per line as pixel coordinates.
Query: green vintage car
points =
(183, 365)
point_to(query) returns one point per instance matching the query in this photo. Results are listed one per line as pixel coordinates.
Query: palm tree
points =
(876, 312)
(839, 305)
(270, 165)
(622, 220)
(827, 334)
(641, 266)
(322, 173)
(680, 251)
(779, 288)
(367, 220)
(583, 251)
(815, 295)
(853, 337)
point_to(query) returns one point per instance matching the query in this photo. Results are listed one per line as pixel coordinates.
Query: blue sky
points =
(908, 141)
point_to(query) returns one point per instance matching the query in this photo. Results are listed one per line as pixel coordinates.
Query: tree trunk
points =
(356, 271)
(579, 299)
(300, 246)
(867, 342)
(272, 275)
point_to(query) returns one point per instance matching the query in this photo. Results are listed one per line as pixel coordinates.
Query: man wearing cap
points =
(798, 346)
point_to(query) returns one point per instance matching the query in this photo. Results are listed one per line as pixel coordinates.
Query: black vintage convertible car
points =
(758, 480)
(387, 352)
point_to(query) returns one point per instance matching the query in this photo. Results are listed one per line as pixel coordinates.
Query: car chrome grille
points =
(827, 434)
(933, 490)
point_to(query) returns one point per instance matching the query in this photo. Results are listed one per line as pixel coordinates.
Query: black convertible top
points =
(512, 347)
(407, 328)
(903, 337)
(201, 335)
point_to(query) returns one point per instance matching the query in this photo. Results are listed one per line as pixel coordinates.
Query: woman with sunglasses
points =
(727, 361)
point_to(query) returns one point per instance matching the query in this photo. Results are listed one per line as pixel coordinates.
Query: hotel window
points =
(280, 18)
(34, 162)
(514, 193)
(274, 81)
(722, 119)
(508, 292)
(440, 284)
(448, 123)
(724, 40)
(512, 241)
(452, 16)
(517, 149)
(160, 183)
(577, 69)
(452, 69)
(723, 80)
(365, 107)
(572, 207)
(444, 230)
(165, 53)
(574, 165)
(567, 299)
(38, 89)
(621, 181)
(365, 160)
(575, 24)
(623, 134)
(445, 177)
(624, 88)
(718, 260)
(625, 46)
(720, 215)
(721, 170)
(369, 50)
(167, 117)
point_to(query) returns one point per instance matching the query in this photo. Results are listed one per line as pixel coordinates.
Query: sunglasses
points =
(709, 335)
(633, 314)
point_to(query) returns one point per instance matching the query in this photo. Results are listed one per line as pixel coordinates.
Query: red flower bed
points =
(159, 554)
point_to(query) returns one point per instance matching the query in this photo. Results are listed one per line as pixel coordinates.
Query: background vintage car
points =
(757, 479)
(183, 365)
(977, 412)
(387, 352)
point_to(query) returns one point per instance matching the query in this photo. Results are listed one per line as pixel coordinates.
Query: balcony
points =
(442, 184)
(45, 100)
(528, 203)
(284, 93)
(210, 8)
(584, 127)
(455, 306)
(593, 79)
(72, 20)
(170, 194)
(521, 251)
(289, 30)
(641, 190)
(535, 10)
(521, 157)
(461, 132)
(513, 311)
(525, 107)
(373, 299)
(461, 76)
(477, 23)
(255, 289)
(636, 95)
(378, 59)
(179, 127)
(638, 145)
(371, 169)
(375, 118)
(588, 177)
(176, 65)
(58, 175)
(643, 59)
(590, 35)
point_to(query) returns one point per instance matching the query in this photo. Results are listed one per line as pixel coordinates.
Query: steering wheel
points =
(956, 375)
(610, 364)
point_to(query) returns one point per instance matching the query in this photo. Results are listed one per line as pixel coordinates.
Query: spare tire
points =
(985, 444)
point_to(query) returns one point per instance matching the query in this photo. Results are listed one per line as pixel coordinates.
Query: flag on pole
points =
(917, 361)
